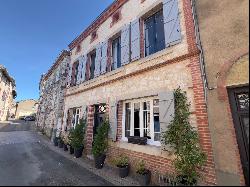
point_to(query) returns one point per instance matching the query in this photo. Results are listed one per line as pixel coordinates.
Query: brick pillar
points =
(119, 121)
(89, 130)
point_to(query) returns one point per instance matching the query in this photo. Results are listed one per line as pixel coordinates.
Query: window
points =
(116, 53)
(92, 64)
(154, 33)
(116, 17)
(74, 73)
(141, 118)
(76, 117)
(93, 36)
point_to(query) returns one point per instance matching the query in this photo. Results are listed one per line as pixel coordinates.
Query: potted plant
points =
(144, 174)
(77, 138)
(55, 140)
(65, 142)
(100, 144)
(122, 163)
(184, 140)
(71, 149)
(60, 141)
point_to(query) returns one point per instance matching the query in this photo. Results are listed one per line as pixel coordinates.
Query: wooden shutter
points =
(113, 120)
(135, 40)
(125, 45)
(84, 61)
(166, 111)
(104, 58)
(98, 59)
(171, 22)
(78, 81)
(69, 75)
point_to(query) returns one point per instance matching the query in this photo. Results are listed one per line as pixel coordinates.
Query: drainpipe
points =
(198, 43)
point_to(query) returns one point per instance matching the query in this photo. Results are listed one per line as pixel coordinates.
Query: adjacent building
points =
(127, 64)
(51, 101)
(224, 38)
(25, 108)
(7, 93)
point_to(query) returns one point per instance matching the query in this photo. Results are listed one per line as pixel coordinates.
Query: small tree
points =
(184, 140)
(77, 136)
(100, 143)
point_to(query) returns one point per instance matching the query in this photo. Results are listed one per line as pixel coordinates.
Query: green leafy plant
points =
(77, 136)
(184, 140)
(65, 138)
(100, 143)
(70, 136)
(121, 161)
(140, 168)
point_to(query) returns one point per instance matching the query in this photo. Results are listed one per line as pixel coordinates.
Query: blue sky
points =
(34, 32)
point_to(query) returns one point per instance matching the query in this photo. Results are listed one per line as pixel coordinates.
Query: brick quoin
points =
(199, 97)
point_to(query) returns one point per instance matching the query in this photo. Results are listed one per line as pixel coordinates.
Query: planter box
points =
(137, 140)
(144, 180)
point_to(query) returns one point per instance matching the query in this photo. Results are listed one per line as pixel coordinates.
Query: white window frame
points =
(151, 126)
(78, 112)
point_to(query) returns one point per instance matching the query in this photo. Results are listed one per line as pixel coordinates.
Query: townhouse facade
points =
(25, 108)
(7, 93)
(126, 65)
(52, 90)
(224, 37)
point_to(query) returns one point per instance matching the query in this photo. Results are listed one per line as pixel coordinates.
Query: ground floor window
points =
(141, 118)
(75, 117)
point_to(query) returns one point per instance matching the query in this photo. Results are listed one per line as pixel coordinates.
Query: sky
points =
(34, 32)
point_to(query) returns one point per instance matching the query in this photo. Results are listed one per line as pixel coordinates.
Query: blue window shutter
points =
(98, 59)
(69, 74)
(171, 22)
(84, 62)
(166, 111)
(113, 120)
(104, 58)
(79, 72)
(135, 40)
(125, 45)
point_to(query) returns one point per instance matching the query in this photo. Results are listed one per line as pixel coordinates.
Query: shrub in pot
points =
(100, 144)
(122, 163)
(77, 138)
(143, 174)
(60, 142)
(71, 149)
(55, 141)
(65, 142)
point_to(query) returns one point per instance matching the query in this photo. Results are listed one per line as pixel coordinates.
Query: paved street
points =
(25, 161)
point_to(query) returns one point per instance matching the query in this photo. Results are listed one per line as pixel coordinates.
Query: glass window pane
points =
(159, 31)
(137, 119)
(127, 119)
(92, 66)
(157, 137)
(157, 128)
(146, 124)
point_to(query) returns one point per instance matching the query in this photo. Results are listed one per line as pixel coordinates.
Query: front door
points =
(99, 117)
(239, 101)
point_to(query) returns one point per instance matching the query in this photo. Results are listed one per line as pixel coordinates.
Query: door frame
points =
(240, 132)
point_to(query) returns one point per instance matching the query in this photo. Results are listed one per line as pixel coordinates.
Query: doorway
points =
(239, 102)
(99, 116)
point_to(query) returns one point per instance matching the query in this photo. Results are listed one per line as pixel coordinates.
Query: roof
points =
(97, 22)
(63, 54)
(7, 75)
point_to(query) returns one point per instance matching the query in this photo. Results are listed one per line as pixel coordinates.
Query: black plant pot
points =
(123, 171)
(65, 147)
(144, 179)
(60, 144)
(99, 161)
(182, 181)
(78, 152)
(71, 150)
(55, 142)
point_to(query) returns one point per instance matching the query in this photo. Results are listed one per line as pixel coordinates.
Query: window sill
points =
(113, 72)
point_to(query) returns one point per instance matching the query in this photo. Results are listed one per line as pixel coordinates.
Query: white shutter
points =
(171, 22)
(84, 61)
(98, 60)
(113, 120)
(166, 111)
(104, 58)
(125, 45)
(135, 40)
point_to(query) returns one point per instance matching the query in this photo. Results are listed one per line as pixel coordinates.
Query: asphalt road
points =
(25, 161)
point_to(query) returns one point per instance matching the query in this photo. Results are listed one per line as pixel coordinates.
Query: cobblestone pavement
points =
(25, 161)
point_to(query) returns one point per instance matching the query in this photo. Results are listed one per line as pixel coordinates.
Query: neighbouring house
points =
(7, 93)
(51, 101)
(25, 108)
(126, 65)
(224, 37)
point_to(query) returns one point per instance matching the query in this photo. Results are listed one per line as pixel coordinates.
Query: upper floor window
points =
(116, 17)
(116, 53)
(92, 64)
(154, 33)
(141, 118)
(78, 49)
(93, 36)
(74, 73)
